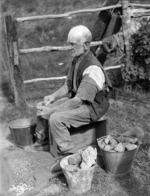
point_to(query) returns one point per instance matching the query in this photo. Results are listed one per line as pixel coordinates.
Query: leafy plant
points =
(140, 44)
(138, 71)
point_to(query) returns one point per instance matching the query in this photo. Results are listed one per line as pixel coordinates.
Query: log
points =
(67, 14)
(139, 5)
(44, 79)
(114, 67)
(125, 18)
(64, 77)
(51, 48)
(57, 48)
(14, 62)
(138, 11)
(146, 14)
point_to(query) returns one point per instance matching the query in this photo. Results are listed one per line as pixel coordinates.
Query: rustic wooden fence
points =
(14, 51)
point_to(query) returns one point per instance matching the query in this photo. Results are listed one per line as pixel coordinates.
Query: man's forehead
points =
(75, 38)
(79, 34)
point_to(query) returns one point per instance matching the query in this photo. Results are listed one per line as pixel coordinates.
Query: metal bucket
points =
(23, 131)
(118, 163)
(80, 181)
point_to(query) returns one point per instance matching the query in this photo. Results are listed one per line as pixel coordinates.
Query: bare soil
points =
(23, 167)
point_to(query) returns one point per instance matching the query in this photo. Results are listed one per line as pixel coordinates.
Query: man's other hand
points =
(49, 99)
(45, 112)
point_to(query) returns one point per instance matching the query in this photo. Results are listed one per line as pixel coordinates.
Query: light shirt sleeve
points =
(93, 81)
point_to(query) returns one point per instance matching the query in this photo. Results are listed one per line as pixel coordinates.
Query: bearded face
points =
(77, 48)
(79, 39)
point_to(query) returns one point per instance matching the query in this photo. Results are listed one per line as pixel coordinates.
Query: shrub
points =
(140, 43)
(139, 70)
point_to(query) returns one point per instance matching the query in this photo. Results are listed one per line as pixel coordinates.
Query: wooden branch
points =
(96, 43)
(125, 19)
(141, 11)
(147, 14)
(67, 14)
(52, 48)
(14, 67)
(44, 49)
(58, 48)
(139, 5)
(44, 79)
(114, 67)
(64, 77)
(16, 54)
(9, 47)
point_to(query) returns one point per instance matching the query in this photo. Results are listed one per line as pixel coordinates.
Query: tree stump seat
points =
(83, 136)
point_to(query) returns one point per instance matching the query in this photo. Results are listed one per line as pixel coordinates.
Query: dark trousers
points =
(59, 123)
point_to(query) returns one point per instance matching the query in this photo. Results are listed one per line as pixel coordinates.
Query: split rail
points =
(15, 52)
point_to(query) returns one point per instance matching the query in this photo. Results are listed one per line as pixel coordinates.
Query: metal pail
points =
(80, 181)
(118, 163)
(23, 131)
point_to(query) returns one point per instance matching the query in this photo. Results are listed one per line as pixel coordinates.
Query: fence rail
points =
(67, 14)
(53, 48)
(60, 48)
(139, 5)
(64, 77)
(15, 52)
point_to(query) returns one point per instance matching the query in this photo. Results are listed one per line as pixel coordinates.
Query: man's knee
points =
(55, 119)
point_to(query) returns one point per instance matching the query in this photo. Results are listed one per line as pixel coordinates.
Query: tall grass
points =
(51, 32)
(32, 7)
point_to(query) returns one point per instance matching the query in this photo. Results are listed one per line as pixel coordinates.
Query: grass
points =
(127, 111)
(51, 32)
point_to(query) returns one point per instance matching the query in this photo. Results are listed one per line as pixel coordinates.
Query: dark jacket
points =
(100, 104)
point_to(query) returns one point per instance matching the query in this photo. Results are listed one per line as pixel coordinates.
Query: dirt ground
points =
(25, 173)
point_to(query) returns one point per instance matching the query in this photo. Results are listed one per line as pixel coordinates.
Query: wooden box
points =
(83, 136)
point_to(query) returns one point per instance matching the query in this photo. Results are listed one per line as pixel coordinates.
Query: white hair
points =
(80, 33)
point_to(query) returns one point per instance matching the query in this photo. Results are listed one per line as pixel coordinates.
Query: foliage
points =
(140, 43)
(139, 70)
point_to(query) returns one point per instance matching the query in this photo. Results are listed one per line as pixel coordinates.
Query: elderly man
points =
(83, 97)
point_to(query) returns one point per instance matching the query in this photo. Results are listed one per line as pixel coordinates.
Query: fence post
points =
(125, 18)
(14, 62)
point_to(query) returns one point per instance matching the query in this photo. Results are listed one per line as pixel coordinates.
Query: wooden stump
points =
(83, 136)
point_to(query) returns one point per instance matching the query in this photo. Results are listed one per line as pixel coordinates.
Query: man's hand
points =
(40, 104)
(49, 99)
(45, 112)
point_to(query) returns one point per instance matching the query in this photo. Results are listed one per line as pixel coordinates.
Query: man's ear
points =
(86, 45)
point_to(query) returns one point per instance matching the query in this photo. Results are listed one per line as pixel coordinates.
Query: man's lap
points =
(75, 117)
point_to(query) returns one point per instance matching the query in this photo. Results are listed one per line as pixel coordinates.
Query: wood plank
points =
(52, 48)
(14, 62)
(139, 5)
(67, 14)
(125, 18)
(59, 48)
(64, 77)
(83, 136)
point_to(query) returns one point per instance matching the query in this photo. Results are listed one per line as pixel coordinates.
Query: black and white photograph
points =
(74, 97)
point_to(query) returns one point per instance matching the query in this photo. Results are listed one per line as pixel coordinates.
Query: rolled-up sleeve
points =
(92, 82)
